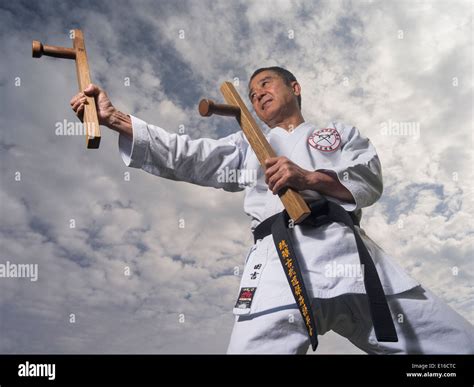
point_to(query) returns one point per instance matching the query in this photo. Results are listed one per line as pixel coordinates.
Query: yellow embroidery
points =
(285, 253)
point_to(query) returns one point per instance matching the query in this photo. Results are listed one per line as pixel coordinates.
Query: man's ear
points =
(296, 88)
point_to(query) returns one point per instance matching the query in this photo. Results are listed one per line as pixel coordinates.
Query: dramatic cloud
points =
(117, 273)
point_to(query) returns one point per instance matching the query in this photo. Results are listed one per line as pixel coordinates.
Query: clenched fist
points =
(108, 115)
(105, 109)
(283, 173)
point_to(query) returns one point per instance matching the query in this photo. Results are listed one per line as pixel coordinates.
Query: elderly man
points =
(347, 283)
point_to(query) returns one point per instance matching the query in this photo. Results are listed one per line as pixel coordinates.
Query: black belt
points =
(323, 212)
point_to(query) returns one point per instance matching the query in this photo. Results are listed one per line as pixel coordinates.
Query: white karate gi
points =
(270, 322)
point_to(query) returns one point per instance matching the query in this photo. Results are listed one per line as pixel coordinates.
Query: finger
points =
(91, 90)
(274, 168)
(269, 173)
(279, 168)
(271, 161)
(80, 112)
(272, 180)
(75, 98)
(79, 102)
(279, 185)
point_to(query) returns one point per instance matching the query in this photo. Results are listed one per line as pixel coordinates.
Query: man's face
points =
(271, 97)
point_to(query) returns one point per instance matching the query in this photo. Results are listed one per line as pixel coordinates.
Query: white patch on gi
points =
(325, 140)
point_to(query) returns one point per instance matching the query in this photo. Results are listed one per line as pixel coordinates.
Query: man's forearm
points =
(327, 184)
(121, 123)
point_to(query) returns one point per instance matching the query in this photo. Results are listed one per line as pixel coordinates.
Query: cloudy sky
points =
(377, 65)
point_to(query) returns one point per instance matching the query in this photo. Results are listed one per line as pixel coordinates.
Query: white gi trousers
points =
(425, 325)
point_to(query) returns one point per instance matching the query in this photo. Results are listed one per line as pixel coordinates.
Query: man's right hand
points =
(105, 109)
(108, 115)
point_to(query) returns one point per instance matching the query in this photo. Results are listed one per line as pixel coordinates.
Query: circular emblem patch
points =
(325, 140)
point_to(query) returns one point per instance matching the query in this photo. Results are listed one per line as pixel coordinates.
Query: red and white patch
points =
(325, 140)
(245, 298)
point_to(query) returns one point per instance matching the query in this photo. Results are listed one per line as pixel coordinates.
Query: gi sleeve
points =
(358, 168)
(204, 161)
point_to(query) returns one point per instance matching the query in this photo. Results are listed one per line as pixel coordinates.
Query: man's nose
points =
(260, 94)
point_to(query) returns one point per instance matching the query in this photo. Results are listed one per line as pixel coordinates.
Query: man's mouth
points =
(265, 104)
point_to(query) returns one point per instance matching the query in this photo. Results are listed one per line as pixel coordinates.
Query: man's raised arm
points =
(204, 161)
